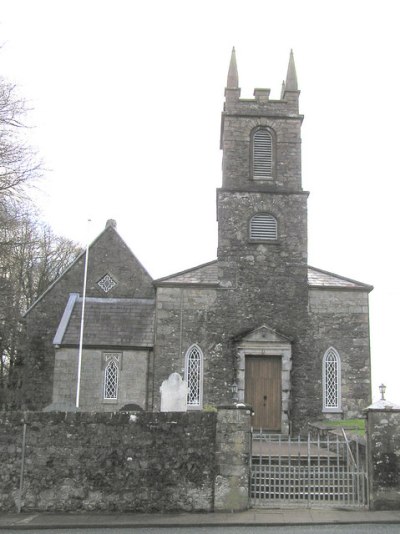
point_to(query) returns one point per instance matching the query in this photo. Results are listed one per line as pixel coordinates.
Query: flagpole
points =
(78, 382)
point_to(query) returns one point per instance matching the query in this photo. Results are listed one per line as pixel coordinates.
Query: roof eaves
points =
(117, 300)
(146, 346)
(180, 273)
(188, 284)
(362, 285)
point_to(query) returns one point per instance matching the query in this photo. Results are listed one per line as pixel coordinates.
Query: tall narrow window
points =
(263, 226)
(111, 372)
(262, 155)
(331, 380)
(194, 377)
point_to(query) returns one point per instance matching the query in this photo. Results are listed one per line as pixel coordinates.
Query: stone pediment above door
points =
(263, 335)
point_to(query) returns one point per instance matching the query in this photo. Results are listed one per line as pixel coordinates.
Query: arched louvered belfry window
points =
(194, 377)
(263, 226)
(111, 375)
(263, 154)
(331, 380)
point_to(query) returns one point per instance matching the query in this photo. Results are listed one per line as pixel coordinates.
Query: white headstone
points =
(174, 392)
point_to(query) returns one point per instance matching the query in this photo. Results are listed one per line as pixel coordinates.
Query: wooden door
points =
(263, 391)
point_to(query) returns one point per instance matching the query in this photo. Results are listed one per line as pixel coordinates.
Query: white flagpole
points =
(78, 382)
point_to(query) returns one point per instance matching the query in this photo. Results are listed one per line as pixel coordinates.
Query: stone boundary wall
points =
(138, 462)
(383, 445)
(234, 447)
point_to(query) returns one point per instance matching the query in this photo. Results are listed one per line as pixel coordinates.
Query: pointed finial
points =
(283, 89)
(233, 77)
(291, 78)
(112, 223)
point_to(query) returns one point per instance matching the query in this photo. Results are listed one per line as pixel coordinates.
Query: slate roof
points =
(324, 279)
(207, 274)
(108, 322)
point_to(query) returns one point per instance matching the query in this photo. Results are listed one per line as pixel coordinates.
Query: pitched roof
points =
(324, 279)
(108, 322)
(207, 275)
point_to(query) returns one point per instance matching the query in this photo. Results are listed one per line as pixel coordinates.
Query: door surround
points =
(264, 341)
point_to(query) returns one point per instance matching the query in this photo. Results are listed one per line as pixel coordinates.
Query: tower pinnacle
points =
(291, 78)
(233, 77)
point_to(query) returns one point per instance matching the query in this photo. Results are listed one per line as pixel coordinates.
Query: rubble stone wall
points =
(138, 462)
(383, 445)
(340, 319)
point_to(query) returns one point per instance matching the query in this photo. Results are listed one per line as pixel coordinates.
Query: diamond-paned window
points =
(106, 283)
(193, 375)
(331, 378)
(111, 372)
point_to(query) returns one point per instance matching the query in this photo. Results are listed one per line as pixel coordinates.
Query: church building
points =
(257, 325)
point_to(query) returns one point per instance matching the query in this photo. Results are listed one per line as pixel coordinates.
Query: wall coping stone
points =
(383, 406)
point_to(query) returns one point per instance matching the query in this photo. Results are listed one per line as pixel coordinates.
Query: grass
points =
(354, 426)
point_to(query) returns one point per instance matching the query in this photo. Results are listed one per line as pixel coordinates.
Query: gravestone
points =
(174, 392)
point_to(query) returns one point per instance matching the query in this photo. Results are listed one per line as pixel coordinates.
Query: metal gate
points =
(311, 472)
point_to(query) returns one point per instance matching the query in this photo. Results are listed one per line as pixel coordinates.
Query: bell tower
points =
(262, 209)
(260, 138)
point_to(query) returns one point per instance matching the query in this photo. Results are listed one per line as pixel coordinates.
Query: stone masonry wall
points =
(144, 462)
(139, 462)
(340, 319)
(132, 379)
(184, 316)
(233, 453)
(237, 150)
(383, 446)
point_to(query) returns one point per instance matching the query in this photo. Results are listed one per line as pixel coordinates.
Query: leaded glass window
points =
(111, 373)
(262, 155)
(193, 376)
(331, 380)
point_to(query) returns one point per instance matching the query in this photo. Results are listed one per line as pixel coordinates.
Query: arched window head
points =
(262, 154)
(111, 375)
(331, 379)
(263, 226)
(194, 377)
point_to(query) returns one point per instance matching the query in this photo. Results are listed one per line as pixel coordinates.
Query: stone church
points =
(257, 325)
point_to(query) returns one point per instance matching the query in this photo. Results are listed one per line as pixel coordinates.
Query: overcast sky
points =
(126, 99)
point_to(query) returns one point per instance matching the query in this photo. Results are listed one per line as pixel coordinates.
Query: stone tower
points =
(262, 234)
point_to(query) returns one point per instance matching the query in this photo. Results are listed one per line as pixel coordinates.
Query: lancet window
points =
(331, 380)
(111, 375)
(194, 377)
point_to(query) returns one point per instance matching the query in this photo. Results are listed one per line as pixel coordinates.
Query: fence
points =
(306, 472)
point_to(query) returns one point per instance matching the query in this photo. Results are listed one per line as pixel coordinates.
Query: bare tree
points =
(18, 165)
(31, 258)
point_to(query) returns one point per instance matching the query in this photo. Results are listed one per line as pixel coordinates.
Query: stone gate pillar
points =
(233, 458)
(383, 452)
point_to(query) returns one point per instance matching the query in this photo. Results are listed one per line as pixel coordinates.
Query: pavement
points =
(252, 517)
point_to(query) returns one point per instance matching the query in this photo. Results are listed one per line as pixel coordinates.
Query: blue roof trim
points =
(73, 297)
